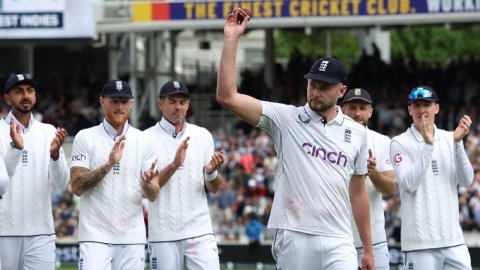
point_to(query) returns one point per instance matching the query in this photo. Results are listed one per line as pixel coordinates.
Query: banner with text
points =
(46, 19)
(212, 10)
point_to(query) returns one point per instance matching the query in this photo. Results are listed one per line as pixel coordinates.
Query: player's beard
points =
(24, 110)
(320, 106)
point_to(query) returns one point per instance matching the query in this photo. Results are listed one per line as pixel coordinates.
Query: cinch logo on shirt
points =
(333, 157)
(79, 157)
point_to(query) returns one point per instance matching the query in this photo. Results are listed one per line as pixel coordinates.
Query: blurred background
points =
(389, 46)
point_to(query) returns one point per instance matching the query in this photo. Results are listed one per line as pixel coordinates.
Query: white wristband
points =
(212, 176)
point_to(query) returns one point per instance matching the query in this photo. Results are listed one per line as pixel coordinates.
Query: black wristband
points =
(14, 146)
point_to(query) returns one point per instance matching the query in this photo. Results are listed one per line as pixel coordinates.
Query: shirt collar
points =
(112, 133)
(317, 118)
(169, 128)
(23, 129)
(419, 137)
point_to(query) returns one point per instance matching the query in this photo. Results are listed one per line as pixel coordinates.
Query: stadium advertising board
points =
(27, 19)
(344, 12)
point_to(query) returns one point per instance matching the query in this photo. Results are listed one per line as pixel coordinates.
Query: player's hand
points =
(371, 162)
(426, 130)
(16, 135)
(148, 176)
(181, 153)
(217, 160)
(235, 26)
(117, 150)
(462, 129)
(367, 263)
(57, 142)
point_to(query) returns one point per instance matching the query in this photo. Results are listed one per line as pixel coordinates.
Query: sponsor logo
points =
(306, 121)
(79, 157)
(397, 158)
(334, 157)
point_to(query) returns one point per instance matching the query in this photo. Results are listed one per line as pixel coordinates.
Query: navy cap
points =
(173, 87)
(357, 94)
(328, 70)
(422, 93)
(16, 79)
(117, 88)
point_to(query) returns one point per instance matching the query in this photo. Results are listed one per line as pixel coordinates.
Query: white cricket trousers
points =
(450, 258)
(381, 257)
(199, 253)
(29, 252)
(295, 250)
(101, 256)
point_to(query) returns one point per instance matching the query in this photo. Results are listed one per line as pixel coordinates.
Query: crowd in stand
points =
(251, 159)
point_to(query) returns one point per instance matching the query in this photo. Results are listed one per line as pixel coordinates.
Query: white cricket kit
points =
(380, 146)
(179, 222)
(111, 212)
(181, 209)
(26, 207)
(315, 164)
(428, 176)
(4, 179)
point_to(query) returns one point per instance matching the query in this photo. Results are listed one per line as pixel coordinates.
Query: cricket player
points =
(429, 163)
(321, 168)
(180, 226)
(34, 160)
(112, 167)
(357, 104)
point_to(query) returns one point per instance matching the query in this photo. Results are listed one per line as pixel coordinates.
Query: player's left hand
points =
(57, 142)
(148, 176)
(16, 135)
(367, 263)
(462, 129)
(217, 160)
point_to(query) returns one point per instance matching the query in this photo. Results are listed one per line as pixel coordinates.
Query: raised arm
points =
(58, 164)
(167, 172)
(246, 107)
(212, 177)
(83, 179)
(382, 179)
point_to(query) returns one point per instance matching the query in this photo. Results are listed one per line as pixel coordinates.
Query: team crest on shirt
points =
(435, 167)
(116, 168)
(397, 158)
(348, 135)
(303, 121)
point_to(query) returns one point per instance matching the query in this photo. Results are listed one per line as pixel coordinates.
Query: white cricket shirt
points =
(315, 164)
(26, 207)
(428, 176)
(111, 212)
(380, 146)
(181, 209)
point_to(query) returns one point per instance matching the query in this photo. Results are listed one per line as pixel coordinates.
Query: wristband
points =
(12, 144)
(212, 176)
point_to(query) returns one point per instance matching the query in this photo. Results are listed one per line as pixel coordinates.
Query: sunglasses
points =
(421, 92)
